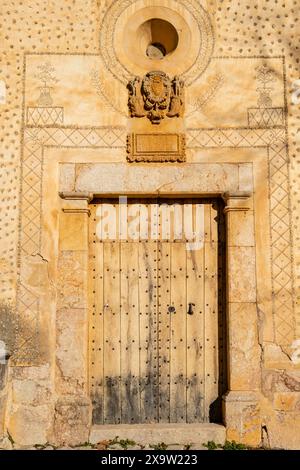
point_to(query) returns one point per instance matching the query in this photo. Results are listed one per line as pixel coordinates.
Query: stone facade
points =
(218, 118)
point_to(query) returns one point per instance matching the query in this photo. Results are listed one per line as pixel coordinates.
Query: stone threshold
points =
(170, 434)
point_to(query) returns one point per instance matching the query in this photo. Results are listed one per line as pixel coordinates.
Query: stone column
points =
(241, 408)
(72, 411)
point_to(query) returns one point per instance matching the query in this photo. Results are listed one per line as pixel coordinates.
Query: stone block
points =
(241, 228)
(35, 274)
(151, 434)
(73, 231)
(244, 349)
(31, 392)
(275, 356)
(242, 418)
(287, 401)
(72, 279)
(283, 430)
(71, 355)
(67, 177)
(246, 177)
(36, 373)
(30, 425)
(72, 421)
(241, 274)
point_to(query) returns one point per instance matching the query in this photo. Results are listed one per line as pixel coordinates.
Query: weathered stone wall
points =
(63, 116)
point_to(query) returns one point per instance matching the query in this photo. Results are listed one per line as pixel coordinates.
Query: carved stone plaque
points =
(157, 147)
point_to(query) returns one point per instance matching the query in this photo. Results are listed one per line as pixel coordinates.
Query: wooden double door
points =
(156, 311)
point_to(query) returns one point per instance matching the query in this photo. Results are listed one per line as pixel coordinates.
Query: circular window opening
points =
(158, 38)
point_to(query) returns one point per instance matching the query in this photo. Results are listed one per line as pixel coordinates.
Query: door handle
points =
(190, 310)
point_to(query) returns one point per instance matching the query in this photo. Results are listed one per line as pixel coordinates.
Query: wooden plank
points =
(207, 223)
(222, 330)
(148, 331)
(165, 220)
(164, 328)
(112, 333)
(214, 216)
(178, 334)
(211, 317)
(130, 399)
(96, 319)
(91, 302)
(98, 360)
(195, 335)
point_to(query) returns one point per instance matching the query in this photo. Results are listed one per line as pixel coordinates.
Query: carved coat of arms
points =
(156, 96)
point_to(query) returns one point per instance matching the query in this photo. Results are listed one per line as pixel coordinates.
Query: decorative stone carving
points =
(130, 57)
(156, 96)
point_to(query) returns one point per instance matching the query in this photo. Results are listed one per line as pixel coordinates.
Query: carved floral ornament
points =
(156, 96)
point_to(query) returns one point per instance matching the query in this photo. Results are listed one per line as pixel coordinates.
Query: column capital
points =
(76, 196)
(76, 202)
(236, 201)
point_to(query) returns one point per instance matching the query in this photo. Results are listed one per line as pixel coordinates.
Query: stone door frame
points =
(240, 297)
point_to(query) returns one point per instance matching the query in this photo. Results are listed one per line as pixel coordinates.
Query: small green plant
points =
(232, 445)
(229, 445)
(125, 443)
(187, 446)
(159, 446)
(211, 445)
(113, 441)
(84, 444)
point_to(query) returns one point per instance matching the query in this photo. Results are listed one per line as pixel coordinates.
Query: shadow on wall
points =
(215, 409)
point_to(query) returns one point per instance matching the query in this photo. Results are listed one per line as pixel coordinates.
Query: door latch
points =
(190, 310)
(171, 309)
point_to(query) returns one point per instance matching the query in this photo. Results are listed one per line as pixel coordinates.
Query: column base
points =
(242, 417)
